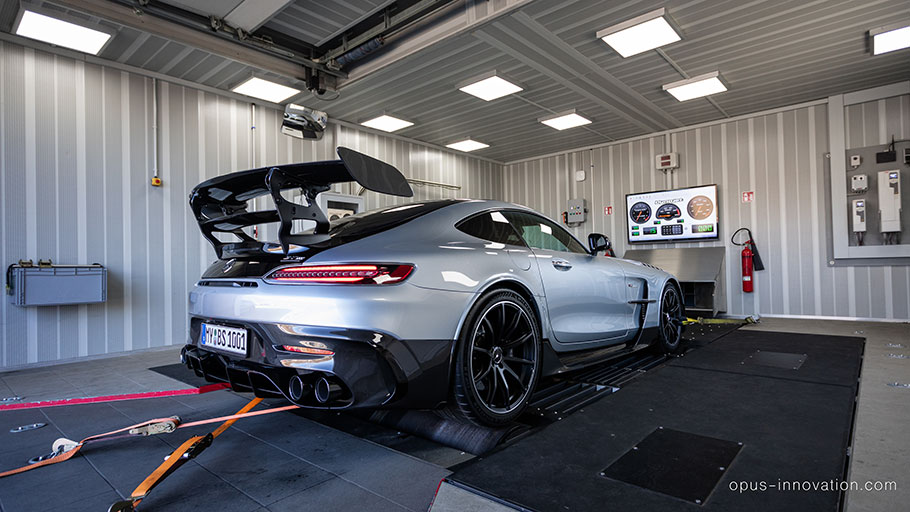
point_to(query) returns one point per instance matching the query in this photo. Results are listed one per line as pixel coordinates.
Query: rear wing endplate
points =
(220, 204)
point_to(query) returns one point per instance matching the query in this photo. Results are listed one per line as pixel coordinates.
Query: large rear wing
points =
(220, 204)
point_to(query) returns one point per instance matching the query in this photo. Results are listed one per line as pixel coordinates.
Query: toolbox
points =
(55, 285)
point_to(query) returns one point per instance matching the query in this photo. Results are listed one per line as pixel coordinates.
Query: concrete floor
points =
(881, 451)
(118, 375)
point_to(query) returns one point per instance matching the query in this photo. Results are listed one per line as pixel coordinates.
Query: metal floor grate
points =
(569, 392)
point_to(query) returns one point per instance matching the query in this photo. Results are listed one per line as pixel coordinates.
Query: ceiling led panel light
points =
(467, 145)
(387, 123)
(265, 90)
(489, 88)
(696, 87)
(638, 35)
(61, 33)
(890, 38)
(565, 120)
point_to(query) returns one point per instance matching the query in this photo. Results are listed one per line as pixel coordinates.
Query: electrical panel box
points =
(889, 200)
(877, 186)
(666, 161)
(56, 285)
(575, 211)
(859, 216)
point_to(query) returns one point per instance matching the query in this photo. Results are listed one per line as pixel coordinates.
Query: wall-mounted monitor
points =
(685, 214)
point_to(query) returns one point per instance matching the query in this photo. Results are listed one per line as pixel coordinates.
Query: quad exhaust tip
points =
(296, 388)
(326, 391)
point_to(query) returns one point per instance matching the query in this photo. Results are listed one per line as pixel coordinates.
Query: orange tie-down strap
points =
(64, 450)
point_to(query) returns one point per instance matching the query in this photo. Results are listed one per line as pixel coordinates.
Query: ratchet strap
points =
(64, 449)
(188, 451)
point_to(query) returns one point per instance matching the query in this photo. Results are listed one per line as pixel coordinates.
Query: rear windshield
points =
(355, 227)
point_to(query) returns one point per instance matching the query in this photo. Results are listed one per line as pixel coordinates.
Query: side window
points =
(490, 226)
(540, 233)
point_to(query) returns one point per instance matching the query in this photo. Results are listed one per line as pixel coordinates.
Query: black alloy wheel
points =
(671, 321)
(498, 360)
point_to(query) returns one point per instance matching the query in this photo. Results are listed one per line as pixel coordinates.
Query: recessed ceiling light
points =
(890, 38)
(387, 123)
(696, 87)
(467, 145)
(61, 33)
(640, 34)
(565, 120)
(265, 90)
(489, 87)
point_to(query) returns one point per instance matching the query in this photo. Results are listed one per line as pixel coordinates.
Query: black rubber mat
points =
(828, 359)
(699, 335)
(180, 372)
(792, 429)
(675, 463)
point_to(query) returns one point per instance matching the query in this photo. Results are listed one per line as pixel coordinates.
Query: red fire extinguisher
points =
(751, 259)
(747, 269)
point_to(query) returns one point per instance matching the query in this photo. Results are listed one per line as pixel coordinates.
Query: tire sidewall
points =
(664, 343)
(465, 394)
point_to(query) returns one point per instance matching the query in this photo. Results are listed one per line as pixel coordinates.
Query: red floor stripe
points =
(115, 398)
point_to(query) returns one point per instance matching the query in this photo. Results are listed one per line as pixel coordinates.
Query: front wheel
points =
(498, 360)
(669, 334)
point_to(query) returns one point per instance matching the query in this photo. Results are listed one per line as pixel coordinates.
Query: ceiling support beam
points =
(137, 19)
(450, 21)
(531, 43)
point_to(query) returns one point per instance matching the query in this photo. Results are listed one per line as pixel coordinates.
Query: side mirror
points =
(598, 242)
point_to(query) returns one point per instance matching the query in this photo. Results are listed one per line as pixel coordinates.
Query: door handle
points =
(561, 264)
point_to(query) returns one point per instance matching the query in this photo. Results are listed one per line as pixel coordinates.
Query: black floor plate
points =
(681, 464)
(784, 360)
(794, 426)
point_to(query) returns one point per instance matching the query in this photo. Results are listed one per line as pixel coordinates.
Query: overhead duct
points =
(357, 53)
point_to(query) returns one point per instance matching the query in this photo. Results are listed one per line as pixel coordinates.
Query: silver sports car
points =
(456, 303)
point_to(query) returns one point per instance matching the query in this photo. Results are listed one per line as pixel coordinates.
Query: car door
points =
(586, 296)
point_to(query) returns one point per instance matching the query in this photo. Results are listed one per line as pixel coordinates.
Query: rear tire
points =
(669, 336)
(498, 360)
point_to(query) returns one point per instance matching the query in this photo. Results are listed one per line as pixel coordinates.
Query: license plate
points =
(227, 339)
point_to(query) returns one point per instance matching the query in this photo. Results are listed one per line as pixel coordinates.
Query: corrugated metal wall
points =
(75, 163)
(781, 157)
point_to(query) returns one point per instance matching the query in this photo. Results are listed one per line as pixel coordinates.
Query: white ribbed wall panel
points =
(75, 163)
(782, 158)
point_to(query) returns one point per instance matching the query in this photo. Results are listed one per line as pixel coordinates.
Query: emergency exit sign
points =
(748, 197)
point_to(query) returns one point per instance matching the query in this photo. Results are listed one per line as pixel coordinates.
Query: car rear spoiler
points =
(220, 204)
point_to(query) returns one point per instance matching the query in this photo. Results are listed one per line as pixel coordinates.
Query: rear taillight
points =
(307, 350)
(343, 274)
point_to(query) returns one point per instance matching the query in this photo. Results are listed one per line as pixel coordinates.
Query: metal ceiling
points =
(771, 53)
(317, 21)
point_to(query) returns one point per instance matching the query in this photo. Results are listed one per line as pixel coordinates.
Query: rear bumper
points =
(368, 369)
